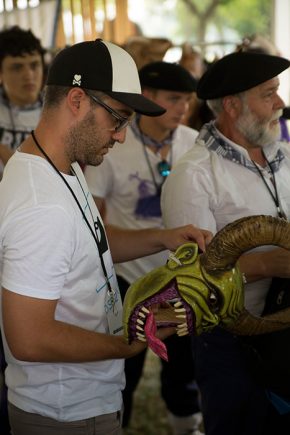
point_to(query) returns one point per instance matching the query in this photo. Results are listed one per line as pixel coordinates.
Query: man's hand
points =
(127, 244)
(175, 237)
(136, 346)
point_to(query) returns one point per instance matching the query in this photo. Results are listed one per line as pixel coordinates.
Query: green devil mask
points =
(196, 292)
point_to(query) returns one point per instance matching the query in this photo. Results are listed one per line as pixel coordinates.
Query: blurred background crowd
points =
(189, 32)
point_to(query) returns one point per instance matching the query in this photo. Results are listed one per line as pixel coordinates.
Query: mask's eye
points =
(213, 301)
(184, 256)
(212, 298)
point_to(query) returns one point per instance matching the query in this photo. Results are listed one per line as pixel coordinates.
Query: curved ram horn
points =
(226, 248)
(241, 236)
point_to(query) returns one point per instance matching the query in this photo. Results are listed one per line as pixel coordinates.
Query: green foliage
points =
(241, 16)
(248, 16)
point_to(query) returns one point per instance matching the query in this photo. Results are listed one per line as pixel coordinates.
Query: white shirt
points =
(48, 252)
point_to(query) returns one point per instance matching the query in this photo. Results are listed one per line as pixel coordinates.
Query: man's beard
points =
(86, 140)
(258, 131)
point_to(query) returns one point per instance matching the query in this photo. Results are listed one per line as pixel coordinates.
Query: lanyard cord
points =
(80, 207)
(275, 196)
(157, 186)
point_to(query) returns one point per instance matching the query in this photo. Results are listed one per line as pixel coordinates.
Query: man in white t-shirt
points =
(237, 168)
(21, 77)
(127, 187)
(61, 311)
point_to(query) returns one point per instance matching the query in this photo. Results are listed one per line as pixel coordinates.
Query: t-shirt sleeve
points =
(186, 199)
(37, 252)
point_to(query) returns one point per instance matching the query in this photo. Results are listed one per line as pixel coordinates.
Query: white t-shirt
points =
(210, 191)
(125, 181)
(48, 252)
(16, 123)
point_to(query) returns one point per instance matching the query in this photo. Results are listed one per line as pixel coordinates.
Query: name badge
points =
(114, 312)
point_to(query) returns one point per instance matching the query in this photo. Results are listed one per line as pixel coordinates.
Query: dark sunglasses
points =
(164, 168)
(122, 121)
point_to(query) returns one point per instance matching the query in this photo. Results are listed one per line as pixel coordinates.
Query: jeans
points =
(26, 423)
(233, 402)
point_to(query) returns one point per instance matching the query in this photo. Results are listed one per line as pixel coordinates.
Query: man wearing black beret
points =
(129, 182)
(237, 168)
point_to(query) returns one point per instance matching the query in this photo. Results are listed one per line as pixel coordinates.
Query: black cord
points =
(80, 207)
(275, 197)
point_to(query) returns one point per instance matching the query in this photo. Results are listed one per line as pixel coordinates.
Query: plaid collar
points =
(218, 143)
(147, 140)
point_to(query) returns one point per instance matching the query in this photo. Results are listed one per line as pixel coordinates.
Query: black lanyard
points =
(94, 234)
(275, 196)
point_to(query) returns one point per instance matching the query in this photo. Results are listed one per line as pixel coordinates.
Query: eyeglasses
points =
(164, 168)
(122, 121)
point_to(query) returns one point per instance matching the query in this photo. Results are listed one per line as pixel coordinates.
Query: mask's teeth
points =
(141, 337)
(140, 314)
(177, 304)
(180, 316)
(139, 328)
(140, 322)
(180, 310)
(182, 325)
(181, 332)
(145, 310)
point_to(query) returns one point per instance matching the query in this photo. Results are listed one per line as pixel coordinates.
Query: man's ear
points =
(232, 106)
(74, 99)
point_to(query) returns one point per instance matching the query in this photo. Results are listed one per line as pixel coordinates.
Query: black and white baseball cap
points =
(102, 66)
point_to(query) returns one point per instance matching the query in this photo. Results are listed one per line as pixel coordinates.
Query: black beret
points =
(167, 76)
(238, 72)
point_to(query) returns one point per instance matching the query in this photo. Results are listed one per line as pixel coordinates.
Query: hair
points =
(15, 41)
(215, 105)
(54, 94)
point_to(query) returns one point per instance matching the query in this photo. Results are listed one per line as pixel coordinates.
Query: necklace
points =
(94, 234)
(275, 195)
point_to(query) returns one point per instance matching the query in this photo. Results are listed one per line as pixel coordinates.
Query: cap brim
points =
(138, 103)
